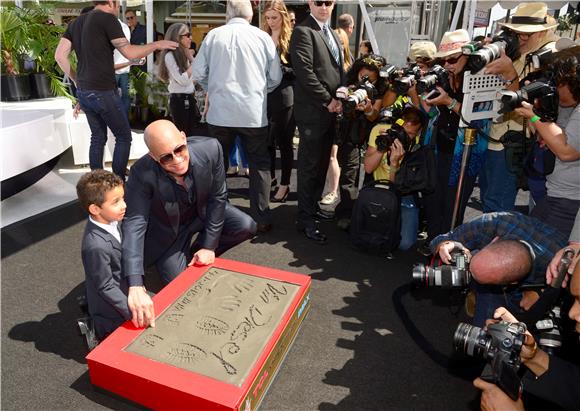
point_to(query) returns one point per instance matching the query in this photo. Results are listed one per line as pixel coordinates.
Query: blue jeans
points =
(491, 297)
(409, 222)
(123, 84)
(498, 185)
(105, 109)
(238, 149)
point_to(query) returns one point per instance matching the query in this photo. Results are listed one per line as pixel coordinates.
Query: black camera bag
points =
(417, 172)
(375, 225)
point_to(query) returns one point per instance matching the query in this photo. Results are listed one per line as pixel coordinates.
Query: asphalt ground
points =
(370, 342)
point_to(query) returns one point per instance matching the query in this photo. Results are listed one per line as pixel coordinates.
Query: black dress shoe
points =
(264, 227)
(314, 234)
(324, 215)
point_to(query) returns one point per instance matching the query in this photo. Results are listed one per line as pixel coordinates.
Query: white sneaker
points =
(329, 198)
(232, 170)
(244, 172)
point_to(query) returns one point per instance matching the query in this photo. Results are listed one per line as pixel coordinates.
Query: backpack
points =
(375, 225)
(417, 172)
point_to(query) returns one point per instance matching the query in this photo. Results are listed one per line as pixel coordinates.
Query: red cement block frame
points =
(161, 386)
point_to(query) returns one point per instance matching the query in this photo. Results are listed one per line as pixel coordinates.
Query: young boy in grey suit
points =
(101, 194)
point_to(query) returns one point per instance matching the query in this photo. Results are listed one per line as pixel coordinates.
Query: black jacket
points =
(318, 75)
(151, 222)
(106, 289)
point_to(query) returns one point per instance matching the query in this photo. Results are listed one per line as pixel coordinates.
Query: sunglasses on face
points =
(524, 36)
(452, 60)
(169, 158)
(185, 35)
(323, 3)
(130, 17)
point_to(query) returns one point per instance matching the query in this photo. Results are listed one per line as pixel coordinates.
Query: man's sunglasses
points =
(452, 60)
(169, 158)
(323, 3)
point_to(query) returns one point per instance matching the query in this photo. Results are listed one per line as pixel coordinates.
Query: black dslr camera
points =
(541, 93)
(480, 55)
(436, 76)
(356, 94)
(500, 345)
(446, 276)
(401, 79)
(389, 115)
(385, 140)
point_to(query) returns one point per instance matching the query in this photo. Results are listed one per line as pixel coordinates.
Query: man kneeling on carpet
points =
(175, 191)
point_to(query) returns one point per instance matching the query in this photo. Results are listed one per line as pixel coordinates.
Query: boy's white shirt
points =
(112, 228)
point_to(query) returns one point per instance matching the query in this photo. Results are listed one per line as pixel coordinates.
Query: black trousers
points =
(439, 205)
(560, 213)
(316, 137)
(238, 227)
(185, 113)
(255, 144)
(349, 161)
(282, 125)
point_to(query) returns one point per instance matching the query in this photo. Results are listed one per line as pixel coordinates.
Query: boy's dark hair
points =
(414, 115)
(92, 187)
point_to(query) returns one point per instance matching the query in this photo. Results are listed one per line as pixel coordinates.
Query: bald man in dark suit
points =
(317, 59)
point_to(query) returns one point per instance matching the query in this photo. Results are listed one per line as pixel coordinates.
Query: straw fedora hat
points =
(531, 18)
(422, 49)
(452, 42)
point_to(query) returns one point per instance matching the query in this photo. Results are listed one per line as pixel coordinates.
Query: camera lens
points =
(419, 274)
(470, 340)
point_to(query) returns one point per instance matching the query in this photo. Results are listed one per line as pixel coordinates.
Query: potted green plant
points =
(14, 44)
(44, 36)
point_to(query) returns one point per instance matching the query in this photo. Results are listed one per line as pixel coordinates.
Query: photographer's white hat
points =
(422, 49)
(531, 18)
(452, 42)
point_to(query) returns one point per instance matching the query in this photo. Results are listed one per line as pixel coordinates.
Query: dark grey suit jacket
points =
(318, 75)
(106, 289)
(151, 222)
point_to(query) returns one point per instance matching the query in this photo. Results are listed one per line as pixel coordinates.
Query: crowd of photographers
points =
(516, 267)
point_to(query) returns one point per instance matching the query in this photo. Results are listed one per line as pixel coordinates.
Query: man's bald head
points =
(501, 262)
(162, 138)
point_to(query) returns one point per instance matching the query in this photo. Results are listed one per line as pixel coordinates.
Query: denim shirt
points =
(237, 65)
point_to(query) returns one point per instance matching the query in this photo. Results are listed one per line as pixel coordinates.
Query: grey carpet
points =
(370, 342)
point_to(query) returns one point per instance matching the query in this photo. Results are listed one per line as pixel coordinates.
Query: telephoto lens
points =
(445, 276)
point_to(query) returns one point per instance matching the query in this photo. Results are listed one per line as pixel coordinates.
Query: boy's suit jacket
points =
(106, 289)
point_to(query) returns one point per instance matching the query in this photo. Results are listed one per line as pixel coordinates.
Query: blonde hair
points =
(348, 59)
(285, 30)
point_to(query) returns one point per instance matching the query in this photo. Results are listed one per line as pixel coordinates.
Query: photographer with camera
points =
(513, 249)
(551, 378)
(560, 206)
(404, 92)
(386, 149)
(362, 100)
(534, 29)
(445, 134)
